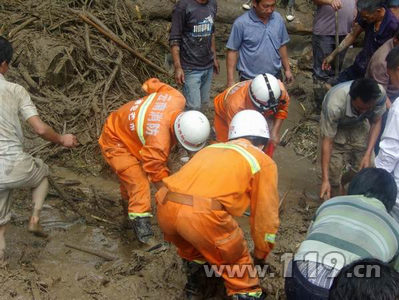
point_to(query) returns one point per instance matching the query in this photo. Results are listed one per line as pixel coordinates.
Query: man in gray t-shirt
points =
(349, 126)
(192, 41)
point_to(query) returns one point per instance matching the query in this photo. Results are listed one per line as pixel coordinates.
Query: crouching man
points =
(349, 127)
(197, 205)
(345, 229)
(265, 94)
(136, 142)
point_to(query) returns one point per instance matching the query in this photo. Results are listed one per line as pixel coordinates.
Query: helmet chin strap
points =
(272, 103)
(269, 87)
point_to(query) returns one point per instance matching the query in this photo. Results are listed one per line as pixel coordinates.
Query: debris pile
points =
(75, 73)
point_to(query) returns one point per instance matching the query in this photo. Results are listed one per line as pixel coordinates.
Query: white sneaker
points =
(290, 14)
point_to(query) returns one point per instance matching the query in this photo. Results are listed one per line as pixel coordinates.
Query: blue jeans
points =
(197, 87)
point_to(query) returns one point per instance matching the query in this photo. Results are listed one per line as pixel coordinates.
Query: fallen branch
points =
(20, 27)
(104, 220)
(111, 79)
(103, 255)
(28, 79)
(108, 33)
(87, 41)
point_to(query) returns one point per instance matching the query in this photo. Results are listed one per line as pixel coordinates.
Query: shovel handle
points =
(336, 44)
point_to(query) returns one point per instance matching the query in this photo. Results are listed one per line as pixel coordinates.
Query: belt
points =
(189, 200)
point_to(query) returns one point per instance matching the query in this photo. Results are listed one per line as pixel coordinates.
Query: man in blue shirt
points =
(258, 42)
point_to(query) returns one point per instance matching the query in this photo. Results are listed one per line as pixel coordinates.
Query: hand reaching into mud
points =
(325, 191)
(69, 140)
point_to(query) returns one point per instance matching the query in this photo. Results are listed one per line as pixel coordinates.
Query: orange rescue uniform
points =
(236, 99)
(136, 141)
(235, 175)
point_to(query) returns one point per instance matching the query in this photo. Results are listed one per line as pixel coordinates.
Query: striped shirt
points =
(349, 228)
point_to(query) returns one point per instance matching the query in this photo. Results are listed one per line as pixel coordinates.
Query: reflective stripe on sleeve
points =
(253, 163)
(141, 117)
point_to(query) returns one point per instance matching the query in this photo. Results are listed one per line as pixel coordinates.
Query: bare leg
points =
(38, 196)
(2, 246)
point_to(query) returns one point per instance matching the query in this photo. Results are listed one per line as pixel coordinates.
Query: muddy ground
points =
(88, 212)
(48, 269)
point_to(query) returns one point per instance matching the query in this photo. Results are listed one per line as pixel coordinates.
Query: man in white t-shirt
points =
(388, 156)
(18, 169)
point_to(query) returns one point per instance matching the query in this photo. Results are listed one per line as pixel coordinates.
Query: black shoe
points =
(193, 289)
(142, 228)
(249, 296)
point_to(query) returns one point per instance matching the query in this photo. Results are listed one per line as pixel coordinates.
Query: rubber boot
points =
(250, 296)
(142, 228)
(195, 280)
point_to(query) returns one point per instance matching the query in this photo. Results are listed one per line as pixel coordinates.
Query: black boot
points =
(195, 280)
(142, 228)
(249, 296)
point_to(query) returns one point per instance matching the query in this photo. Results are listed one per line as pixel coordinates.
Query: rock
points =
(232, 9)
(84, 138)
(305, 61)
(302, 24)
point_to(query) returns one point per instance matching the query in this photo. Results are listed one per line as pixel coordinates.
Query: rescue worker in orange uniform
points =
(136, 142)
(264, 93)
(195, 209)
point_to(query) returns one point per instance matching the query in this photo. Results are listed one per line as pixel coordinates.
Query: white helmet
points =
(192, 129)
(264, 91)
(248, 123)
